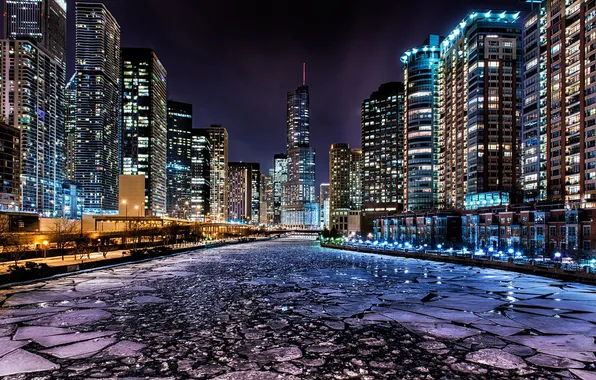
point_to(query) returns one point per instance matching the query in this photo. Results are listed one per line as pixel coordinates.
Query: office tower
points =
(423, 178)
(382, 153)
(356, 180)
(42, 21)
(344, 189)
(32, 89)
(97, 64)
(324, 205)
(70, 123)
(298, 193)
(481, 104)
(243, 182)
(267, 199)
(218, 136)
(144, 123)
(200, 182)
(340, 158)
(279, 177)
(9, 167)
(559, 115)
(179, 156)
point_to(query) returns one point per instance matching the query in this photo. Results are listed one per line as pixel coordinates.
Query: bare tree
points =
(17, 247)
(82, 247)
(171, 232)
(63, 232)
(4, 232)
(104, 247)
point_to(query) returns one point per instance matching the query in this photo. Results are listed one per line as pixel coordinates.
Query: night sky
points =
(235, 60)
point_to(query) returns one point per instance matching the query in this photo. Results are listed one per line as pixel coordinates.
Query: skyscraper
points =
(382, 153)
(179, 156)
(10, 146)
(299, 208)
(324, 205)
(279, 177)
(97, 64)
(43, 21)
(423, 136)
(70, 124)
(32, 86)
(145, 124)
(244, 192)
(344, 188)
(200, 182)
(559, 114)
(219, 172)
(481, 107)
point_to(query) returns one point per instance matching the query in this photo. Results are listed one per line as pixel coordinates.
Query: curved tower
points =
(423, 158)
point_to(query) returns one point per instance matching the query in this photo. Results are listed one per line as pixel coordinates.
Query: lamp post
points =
(186, 209)
(45, 248)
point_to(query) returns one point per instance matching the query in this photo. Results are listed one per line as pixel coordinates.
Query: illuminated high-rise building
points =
(200, 181)
(145, 124)
(559, 113)
(481, 70)
(32, 88)
(179, 157)
(97, 65)
(382, 153)
(423, 190)
(299, 208)
(43, 21)
(324, 205)
(344, 188)
(279, 176)
(244, 192)
(70, 124)
(218, 136)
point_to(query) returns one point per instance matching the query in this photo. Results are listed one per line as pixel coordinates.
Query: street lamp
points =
(45, 248)
(558, 255)
(138, 212)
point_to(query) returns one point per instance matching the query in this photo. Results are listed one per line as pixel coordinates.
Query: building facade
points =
(97, 132)
(32, 86)
(481, 70)
(200, 182)
(423, 177)
(144, 123)
(10, 145)
(324, 205)
(218, 136)
(559, 115)
(279, 176)
(179, 162)
(244, 192)
(299, 208)
(70, 123)
(382, 153)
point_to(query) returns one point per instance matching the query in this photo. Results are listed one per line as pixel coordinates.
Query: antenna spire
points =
(304, 73)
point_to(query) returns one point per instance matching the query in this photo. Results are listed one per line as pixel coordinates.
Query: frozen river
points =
(288, 309)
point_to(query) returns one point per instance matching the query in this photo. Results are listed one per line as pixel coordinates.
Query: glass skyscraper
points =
(423, 137)
(97, 64)
(481, 106)
(32, 86)
(200, 182)
(299, 207)
(279, 177)
(382, 153)
(179, 156)
(218, 136)
(144, 124)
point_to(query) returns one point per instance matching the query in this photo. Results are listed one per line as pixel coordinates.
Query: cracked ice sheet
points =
(58, 340)
(80, 350)
(21, 361)
(72, 318)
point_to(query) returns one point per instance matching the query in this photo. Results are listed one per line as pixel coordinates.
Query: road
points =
(288, 309)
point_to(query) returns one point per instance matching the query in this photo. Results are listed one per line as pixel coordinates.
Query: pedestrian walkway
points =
(71, 259)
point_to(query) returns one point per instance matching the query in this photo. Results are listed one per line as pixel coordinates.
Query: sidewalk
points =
(93, 256)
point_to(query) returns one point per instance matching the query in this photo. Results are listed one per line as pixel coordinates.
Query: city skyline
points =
(221, 88)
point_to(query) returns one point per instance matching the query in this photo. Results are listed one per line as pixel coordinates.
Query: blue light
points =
(510, 250)
(557, 254)
(487, 14)
(439, 246)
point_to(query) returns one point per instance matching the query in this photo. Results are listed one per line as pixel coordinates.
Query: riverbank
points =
(54, 266)
(584, 277)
